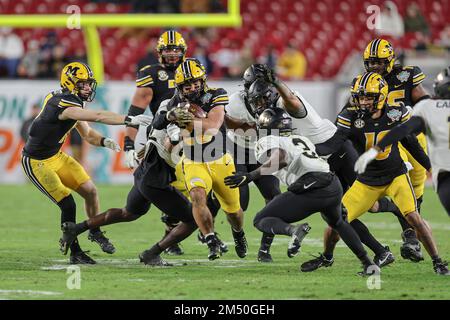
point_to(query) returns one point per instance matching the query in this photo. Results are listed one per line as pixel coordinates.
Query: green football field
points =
(31, 266)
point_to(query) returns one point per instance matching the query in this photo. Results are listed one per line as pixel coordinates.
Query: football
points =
(196, 110)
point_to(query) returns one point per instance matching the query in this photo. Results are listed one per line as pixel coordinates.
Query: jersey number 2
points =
(372, 138)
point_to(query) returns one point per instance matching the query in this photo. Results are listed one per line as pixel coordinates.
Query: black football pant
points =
(289, 207)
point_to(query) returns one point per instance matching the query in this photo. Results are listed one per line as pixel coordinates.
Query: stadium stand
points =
(311, 25)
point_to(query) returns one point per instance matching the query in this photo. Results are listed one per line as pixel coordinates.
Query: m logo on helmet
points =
(72, 70)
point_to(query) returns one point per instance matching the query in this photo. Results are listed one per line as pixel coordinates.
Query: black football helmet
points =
(261, 95)
(250, 75)
(274, 121)
(441, 84)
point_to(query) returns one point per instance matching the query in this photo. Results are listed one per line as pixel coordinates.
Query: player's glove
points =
(131, 158)
(239, 179)
(365, 159)
(180, 115)
(263, 71)
(142, 119)
(173, 131)
(111, 144)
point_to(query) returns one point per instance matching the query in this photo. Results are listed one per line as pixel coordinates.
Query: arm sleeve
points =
(144, 78)
(417, 76)
(413, 126)
(160, 121)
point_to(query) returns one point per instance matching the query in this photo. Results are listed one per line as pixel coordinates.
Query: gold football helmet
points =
(188, 73)
(171, 49)
(379, 57)
(369, 92)
(74, 77)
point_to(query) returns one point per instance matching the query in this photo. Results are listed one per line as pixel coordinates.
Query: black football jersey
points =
(47, 132)
(401, 82)
(366, 132)
(160, 80)
(206, 148)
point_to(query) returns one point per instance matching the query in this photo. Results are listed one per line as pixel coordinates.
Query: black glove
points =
(239, 179)
(263, 71)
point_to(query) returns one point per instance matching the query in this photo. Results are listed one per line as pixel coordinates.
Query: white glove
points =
(173, 131)
(111, 144)
(142, 119)
(131, 158)
(365, 159)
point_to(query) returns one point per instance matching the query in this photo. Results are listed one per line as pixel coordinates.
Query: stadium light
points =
(90, 22)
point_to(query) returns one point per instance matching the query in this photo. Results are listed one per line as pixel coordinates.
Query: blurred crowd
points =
(36, 60)
(413, 25)
(223, 57)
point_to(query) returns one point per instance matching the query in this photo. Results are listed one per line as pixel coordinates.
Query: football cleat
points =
(81, 258)
(68, 237)
(410, 248)
(240, 245)
(441, 268)
(264, 256)
(316, 263)
(214, 249)
(174, 250)
(370, 270)
(151, 259)
(104, 243)
(223, 246)
(384, 259)
(297, 237)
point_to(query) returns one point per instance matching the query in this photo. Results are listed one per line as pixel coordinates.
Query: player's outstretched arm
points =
(103, 116)
(233, 123)
(94, 138)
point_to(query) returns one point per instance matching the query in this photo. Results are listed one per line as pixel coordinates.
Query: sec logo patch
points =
(162, 75)
(359, 123)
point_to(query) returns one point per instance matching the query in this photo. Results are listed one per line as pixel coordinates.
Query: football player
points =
(431, 117)
(311, 186)
(54, 172)
(366, 124)
(405, 87)
(269, 91)
(239, 115)
(154, 84)
(205, 162)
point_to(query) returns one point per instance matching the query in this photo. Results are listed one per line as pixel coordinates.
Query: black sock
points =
(386, 205)
(365, 260)
(419, 203)
(68, 209)
(328, 256)
(156, 249)
(75, 247)
(95, 230)
(266, 241)
(237, 234)
(81, 227)
(367, 238)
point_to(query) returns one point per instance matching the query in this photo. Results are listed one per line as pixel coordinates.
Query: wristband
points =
(102, 141)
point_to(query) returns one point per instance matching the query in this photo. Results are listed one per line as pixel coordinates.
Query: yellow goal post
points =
(90, 22)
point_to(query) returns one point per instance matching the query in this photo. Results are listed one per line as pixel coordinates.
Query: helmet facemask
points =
(377, 65)
(367, 102)
(171, 56)
(192, 90)
(86, 89)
